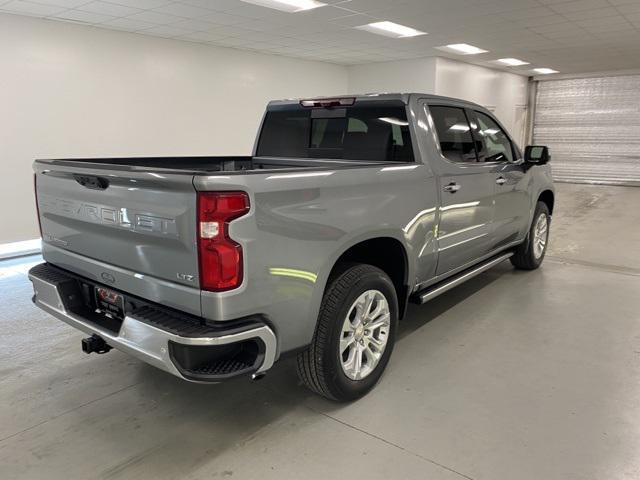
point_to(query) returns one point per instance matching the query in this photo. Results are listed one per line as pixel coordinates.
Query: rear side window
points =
(352, 133)
(496, 145)
(454, 133)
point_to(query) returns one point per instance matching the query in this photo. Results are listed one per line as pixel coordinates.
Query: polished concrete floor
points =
(515, 375)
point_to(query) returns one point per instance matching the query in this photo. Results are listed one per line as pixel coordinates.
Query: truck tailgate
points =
(134, 224)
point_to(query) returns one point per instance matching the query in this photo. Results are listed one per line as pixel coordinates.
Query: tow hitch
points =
(95, 343)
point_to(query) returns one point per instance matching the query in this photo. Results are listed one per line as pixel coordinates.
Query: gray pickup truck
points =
(350, 207)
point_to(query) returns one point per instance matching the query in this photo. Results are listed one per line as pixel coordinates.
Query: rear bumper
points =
(188, 350)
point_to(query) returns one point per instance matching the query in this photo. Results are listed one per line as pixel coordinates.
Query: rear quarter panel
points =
(300, 223)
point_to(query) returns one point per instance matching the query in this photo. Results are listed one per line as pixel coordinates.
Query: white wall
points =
(417, 75)
(504, 92)
(73, 91)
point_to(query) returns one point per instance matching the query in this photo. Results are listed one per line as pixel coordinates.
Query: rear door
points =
(466, 191)
(139, 222)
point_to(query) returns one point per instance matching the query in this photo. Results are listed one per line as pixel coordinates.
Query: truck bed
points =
(137, 217)
(196, 165)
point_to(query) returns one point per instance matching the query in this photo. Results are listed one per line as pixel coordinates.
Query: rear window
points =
(353, 133)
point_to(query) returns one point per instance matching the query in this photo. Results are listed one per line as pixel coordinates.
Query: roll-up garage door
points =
(592, 126)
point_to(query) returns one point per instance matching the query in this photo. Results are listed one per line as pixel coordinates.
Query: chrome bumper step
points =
(155, 337)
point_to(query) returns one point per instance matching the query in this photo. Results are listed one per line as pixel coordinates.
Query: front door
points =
(466, 192)
(511, 198)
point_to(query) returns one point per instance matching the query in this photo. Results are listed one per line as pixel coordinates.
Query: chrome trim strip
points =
(144, 341)
(457, 280)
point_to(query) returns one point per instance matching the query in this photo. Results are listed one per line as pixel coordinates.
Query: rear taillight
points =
(35, 193)
(219, 256)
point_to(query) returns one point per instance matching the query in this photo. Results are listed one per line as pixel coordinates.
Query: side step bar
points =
(449, 283)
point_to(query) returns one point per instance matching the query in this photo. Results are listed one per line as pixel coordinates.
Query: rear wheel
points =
(354, 336)
(529, 255)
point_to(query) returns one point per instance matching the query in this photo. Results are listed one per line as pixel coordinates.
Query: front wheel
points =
(354, 335)
(529, 255)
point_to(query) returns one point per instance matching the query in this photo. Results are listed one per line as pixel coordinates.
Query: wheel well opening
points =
(548, 199)
(386, 253)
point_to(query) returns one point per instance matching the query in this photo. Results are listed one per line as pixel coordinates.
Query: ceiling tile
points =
(527, 13)
(233, 42)
(128, 24)
(323, 14)
(555, 27)
(578, 5)
(202, 36)
(563, 34)
(364, 6)
(108, 9)
(259, 25)
(355, 20)
(589, 14)
(165, 31)
(154, 17)
(607, 28)
(218, 5)
(183, 10)
(603, 22)
(222, 18)
(83, 17)
(30, 8)
(193, 25)
(256, 12)
(62, 3)
(143, 4)
(631, 8)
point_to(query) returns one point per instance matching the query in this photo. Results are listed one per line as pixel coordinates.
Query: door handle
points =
(452, 187)
(501, 180)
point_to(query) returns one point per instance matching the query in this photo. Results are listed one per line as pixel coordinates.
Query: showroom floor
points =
(515, 375)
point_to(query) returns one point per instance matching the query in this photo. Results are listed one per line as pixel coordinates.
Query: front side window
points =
(376, 133)
(496, 145)
(454, 133)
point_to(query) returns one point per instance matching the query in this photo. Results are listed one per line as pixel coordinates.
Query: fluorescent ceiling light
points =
(290, 6)
(462, 49)
(300, 175)
(394, 121)
(512, 62)
(403, 167)
(545, 71)
(459, 127)
(390, 29)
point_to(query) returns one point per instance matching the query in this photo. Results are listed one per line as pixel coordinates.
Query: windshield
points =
(376, 133)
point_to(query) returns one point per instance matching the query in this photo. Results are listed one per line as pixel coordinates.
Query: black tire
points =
(525, 257)
(320, 366)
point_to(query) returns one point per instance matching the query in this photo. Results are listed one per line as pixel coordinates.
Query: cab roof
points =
(369, 97)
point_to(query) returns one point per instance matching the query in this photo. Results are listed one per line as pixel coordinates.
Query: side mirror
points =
(536, 154)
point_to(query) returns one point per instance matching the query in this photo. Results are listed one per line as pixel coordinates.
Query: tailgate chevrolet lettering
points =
(123, 218)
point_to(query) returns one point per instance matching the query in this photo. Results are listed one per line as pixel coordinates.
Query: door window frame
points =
(427, 105)
(515, 151)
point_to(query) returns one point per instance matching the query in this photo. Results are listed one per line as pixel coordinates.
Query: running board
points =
(446, 285)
